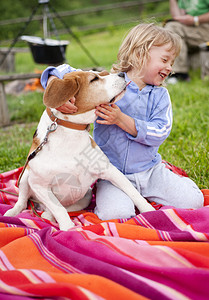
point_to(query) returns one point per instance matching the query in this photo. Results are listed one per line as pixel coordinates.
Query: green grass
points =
(14, 145)
(26, 108)
(25, 111)
(187, 146)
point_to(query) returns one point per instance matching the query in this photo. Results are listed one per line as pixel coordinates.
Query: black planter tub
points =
(46, 51)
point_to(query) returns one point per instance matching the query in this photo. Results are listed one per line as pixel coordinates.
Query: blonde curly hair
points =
(134, 50)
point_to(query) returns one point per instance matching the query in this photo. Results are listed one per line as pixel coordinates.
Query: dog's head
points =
(89, 88)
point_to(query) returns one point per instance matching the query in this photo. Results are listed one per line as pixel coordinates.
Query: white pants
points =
(158, 184)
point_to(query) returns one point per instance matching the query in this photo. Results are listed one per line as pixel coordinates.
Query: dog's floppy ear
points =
(103, 73)
(60, 91)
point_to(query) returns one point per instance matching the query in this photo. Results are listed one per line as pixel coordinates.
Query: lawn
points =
(187, 145)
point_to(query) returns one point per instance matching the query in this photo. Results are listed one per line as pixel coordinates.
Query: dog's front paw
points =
(47, 215)
(147, 208)
(66, 227)
(10, 213)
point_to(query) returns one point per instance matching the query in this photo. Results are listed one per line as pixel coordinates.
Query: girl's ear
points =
(60, 91)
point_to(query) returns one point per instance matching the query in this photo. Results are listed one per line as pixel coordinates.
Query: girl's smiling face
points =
(159, 65)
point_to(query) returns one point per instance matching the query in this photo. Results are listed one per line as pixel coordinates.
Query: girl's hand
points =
(110, 114)
(68, 107)
(113, 115)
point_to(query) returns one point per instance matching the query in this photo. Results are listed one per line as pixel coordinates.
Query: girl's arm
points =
(152, 132)
(157, 127)
(59, 72)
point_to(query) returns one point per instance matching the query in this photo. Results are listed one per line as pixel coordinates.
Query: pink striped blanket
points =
(155, 255)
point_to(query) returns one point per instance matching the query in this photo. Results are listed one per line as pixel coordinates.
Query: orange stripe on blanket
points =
(7, 235)
(200, 248)
(99, 285)
(28, 255)
(136, 232)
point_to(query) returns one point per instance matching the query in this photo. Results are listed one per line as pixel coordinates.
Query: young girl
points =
(131, 131)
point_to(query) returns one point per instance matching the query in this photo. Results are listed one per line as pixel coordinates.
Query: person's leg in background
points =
(191, 37)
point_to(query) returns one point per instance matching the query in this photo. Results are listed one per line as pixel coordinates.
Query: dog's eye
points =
(94, 79)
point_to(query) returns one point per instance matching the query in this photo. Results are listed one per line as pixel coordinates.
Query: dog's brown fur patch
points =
(93, 143)
(79, 84)
(35, 144)
(60, 91)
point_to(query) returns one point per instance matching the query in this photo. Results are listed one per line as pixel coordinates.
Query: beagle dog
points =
(64, 161)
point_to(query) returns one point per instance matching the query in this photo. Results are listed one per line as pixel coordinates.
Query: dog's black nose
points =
(121, 74)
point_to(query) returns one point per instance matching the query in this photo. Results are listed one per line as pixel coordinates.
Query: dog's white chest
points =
(67, 164)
